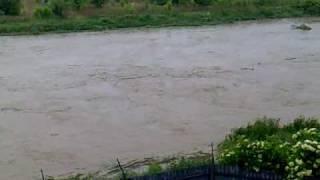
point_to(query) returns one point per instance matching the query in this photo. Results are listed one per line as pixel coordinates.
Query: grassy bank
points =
(291, 150)
(138, 15)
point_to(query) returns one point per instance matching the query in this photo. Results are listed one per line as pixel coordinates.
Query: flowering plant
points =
(291, 152)
(304, 157)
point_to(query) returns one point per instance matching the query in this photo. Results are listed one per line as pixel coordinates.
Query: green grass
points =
(224, 12)
(268, 128)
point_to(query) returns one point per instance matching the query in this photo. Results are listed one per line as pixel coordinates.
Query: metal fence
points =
(216, 172)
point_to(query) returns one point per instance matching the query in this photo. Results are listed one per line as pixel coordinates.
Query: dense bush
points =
(129, 7)
(159, 2)
(123, 3)
(78, 4)
(169, 5)
(259, 130)
(311, 7)
(302, 123)
(262, 2)
(42, 12)
(154, 168)
(203, 2)
(188, 162)
(98, 3)
(304, 155)
(10, 7)
(292, 150)
(168, 2)
(58, 7)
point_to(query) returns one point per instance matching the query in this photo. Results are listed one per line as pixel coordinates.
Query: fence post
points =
(122, 171)
(212, 167)
(42, 175)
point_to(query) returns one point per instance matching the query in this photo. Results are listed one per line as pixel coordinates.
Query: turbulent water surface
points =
(73, 102)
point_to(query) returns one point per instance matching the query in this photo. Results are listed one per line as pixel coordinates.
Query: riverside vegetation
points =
(291, 150)
(41, 16)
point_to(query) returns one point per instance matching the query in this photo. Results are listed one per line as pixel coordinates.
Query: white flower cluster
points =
(299, 157)
(305, 156)
(250, 152)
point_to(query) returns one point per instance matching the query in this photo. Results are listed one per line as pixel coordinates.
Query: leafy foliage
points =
(129, 7)
(154, 168)
(203, 2)
(310, 6)
(42, 12)
(260, 129)
(293, 148)
(304, 156)
(78, 4)
(302, 123)
(98, 3)
(58, 7)
(169, 5)
(185, 163)
(10, 7)
(159, 2)
(182, 13)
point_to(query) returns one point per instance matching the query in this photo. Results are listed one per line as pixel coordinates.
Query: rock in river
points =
(303, 27)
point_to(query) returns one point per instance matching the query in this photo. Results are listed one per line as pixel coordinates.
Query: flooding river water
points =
(73, 102)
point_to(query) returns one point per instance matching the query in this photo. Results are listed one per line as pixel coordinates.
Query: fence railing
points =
(218, 172)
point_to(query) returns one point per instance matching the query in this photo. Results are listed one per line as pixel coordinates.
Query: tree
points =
(10, 7)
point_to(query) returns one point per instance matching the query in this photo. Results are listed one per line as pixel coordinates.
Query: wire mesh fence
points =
(216, 172)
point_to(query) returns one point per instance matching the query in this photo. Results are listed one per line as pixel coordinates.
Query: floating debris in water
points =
(290, 58)
(303, 27)
(247, 68)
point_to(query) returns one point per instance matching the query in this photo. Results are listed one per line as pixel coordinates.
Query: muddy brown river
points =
(74, 102)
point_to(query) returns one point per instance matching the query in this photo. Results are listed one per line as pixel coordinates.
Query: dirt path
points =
(75, 102)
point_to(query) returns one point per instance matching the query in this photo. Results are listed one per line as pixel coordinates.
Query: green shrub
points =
(123, 3)
(185, 163)
(262, 2)
(10, 7)
(154, 168)
(98, 3)
(259, 130)
(304, 156)
(129, 7)
(302, 123)
(42, 12)
(169, 5)
(292, 150)
(78, 4)
(159, 2)
(255, 155)
(58, 7)
(203, 2)
(182, 2)
(311, 7)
